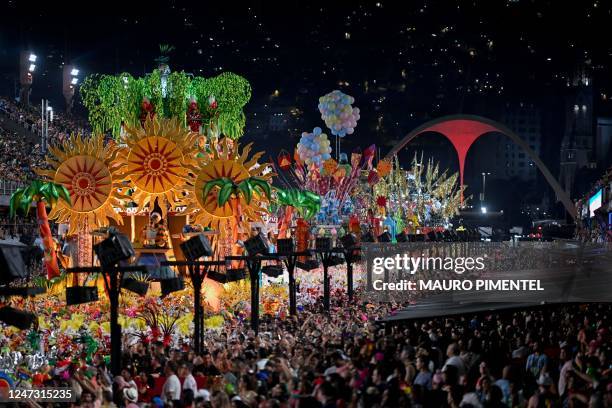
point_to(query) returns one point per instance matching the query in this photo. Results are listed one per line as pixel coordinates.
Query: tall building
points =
(578, 137)
(511, 160)
(603, 142)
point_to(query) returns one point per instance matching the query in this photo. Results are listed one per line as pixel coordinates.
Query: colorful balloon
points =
(314, 148)
(337, 112)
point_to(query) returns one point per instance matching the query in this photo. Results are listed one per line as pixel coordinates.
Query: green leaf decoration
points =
(225, 193)
(113, 99)
(246, 188)
(212, 184)
(15, 201)
(263, 185)
(63, 193)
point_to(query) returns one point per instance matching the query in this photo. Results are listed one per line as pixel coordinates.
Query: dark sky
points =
(403, 61)
(309, 45)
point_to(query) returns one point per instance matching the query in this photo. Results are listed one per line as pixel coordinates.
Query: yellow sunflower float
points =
(158, 159)
(89, 169)
(228, 187)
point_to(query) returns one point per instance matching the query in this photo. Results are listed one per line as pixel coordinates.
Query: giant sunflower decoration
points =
(247, 180)
(91, 173)
(158, 159)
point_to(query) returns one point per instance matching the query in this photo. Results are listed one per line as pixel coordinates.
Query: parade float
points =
(165, 162)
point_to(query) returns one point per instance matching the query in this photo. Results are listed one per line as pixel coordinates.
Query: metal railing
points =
(8, 187)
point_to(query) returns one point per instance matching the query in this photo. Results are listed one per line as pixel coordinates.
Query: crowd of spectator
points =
(30, 118)
(556, 356)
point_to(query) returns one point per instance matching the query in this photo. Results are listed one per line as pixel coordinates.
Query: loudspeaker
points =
(384, 237)
(348, 240)
(196, 247)
(216, 276)
(171, 285)
(15, 317)
(256, 245)
(308, 265)
(401, 237)
(323, 243)
(336, 260)
(233, 275)
(273, 271)
(134, 285)
(75, 295)
(285, 245)
(113, 249)
(11, 264)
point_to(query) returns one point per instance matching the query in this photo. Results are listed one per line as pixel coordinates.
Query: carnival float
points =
(165, 161)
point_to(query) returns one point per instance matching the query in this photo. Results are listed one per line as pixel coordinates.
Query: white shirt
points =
(457, 362)
(190, 384)
(172, 389)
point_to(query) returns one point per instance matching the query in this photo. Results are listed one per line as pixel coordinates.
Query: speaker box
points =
(75, 295)
(307, 265)
(171, 285)
(15, 317)
(12, 266)
(233, 275)
(216, 276)
(384, 237)
(285, 245)
(273, 271)
(323, 243)
(134, 285)
(256, 245)
(336, 260)
(348, 240)
(113, 249)
(196, 247)
(353, 257)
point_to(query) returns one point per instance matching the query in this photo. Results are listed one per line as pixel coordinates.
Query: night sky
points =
(403, 61)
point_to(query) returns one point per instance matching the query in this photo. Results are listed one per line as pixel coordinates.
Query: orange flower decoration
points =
(384, 168)
(329, 166)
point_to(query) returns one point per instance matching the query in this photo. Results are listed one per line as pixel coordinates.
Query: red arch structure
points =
(463, 130)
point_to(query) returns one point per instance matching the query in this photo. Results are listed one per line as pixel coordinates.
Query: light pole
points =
(27, 65)
(46, 113)
(71, 79)
(484, 185)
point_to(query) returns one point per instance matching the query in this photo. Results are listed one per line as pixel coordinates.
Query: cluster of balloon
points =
(314, 148)
(338, 113)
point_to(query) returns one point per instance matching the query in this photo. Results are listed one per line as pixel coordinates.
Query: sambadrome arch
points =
(463, 130)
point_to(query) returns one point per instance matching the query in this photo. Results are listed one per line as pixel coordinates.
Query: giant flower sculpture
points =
(89, 170)
(228, 187)
(157, 160)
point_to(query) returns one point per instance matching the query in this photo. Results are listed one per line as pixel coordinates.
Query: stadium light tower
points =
(27, 66)
(71, 79)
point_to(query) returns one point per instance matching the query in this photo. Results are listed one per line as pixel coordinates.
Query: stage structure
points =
(463, 130)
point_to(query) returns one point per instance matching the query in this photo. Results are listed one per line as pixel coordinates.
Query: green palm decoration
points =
(245, 188)
(41, 193)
